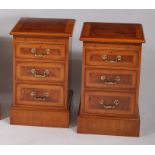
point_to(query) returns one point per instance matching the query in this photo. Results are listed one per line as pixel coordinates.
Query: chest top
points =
(44, 27)
(112, 32)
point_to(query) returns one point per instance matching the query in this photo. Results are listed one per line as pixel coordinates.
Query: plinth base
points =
(108, 125)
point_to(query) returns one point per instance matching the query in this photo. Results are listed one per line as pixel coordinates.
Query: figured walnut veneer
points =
(110, 79)
(41, 53)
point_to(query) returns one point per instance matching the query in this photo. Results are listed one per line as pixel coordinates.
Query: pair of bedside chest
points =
(110, 75)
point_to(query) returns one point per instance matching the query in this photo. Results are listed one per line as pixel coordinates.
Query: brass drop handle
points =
(113, 105)
(117, 59)
(44, 54)
(35, 74)
(110, 82)
(39, 98)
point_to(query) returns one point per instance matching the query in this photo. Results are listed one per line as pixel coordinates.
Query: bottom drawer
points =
(41, 95)
(109, 103)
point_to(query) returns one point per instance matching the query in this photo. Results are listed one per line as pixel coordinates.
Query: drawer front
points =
(109, 103)
(112, 58)
(45, 72)
(104, 78)
(41, 95)
(40, 51)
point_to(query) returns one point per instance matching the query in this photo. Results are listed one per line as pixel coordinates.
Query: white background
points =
(36, 135)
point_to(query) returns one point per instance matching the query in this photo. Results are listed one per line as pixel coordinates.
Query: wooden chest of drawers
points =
(110, 79)
(41, 93)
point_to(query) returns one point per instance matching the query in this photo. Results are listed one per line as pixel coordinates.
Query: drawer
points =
(104, 78)
(40, 51)
(109, 103)
(40, 95)
(43, 72)
(112, 58)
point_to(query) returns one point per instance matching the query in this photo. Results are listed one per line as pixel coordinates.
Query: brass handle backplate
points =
(117, 59)
(113, 105)
(42, 55)
(35, 74)
(39, 98)
(106, 81)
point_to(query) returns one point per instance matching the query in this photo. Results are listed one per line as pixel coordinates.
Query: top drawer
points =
(40, 51)
(112, 58)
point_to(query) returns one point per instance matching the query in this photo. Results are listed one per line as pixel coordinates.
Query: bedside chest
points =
(41, 93)
(110, 79)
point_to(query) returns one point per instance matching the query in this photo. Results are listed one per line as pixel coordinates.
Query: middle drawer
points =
(105, 78)
(45, 72)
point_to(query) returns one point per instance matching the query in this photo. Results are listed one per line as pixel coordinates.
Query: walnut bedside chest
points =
(110, 79)
(41, 93)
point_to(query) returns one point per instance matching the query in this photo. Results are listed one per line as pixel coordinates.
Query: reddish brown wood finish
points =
(40, 72)
(32, 71)
(42, 95)
(104, 103)
(110, 79)
(96, 57)
(56, 52)
(99, 78)
(109, 125)
(52, 118)
(112, 32)
(44, 27)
